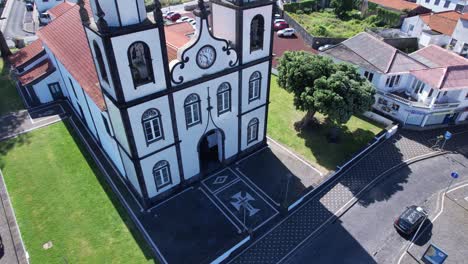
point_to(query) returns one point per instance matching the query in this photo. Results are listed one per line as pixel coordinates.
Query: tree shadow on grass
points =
(361, 174)
(8, 144)
(110, 193)
(331, 154)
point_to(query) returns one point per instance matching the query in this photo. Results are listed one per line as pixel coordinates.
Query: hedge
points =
(309, 5)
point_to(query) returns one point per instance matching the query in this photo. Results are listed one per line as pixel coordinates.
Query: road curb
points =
(6, 13)
(18, 244)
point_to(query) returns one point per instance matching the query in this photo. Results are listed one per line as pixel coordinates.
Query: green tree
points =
(341, 7)
(336, 90)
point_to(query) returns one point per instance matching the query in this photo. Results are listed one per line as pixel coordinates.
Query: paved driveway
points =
(365, 234)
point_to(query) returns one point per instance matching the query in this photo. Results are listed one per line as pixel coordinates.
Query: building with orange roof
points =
(438, 29)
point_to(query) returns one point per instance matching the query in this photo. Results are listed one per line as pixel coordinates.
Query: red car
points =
(173, 16)
(280, 25)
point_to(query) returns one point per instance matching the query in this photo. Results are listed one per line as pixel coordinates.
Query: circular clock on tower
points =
(206, 57)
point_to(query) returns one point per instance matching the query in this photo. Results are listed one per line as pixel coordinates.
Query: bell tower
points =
(130, 57)
(246, 24)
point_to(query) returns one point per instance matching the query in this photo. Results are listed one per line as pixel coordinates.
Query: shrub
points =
(299, 12)
(313, 5)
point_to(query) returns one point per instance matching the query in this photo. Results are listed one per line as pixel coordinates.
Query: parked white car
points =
(183, 19)
(278, 20)
(277, 16)
(44, 18)
(322, 48)
(287, 32)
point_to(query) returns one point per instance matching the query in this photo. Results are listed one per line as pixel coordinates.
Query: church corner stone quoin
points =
(168, 104)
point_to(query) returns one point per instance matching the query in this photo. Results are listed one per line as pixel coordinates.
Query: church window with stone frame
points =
(252, 130)
(100, 62)
(152, 125)
(192, 110)
(224, 98)
(162, 174)
(255, 81)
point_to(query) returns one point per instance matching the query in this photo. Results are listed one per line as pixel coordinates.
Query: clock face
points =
(206, 57)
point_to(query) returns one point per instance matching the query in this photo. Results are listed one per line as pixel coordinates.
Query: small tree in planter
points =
(337, 91)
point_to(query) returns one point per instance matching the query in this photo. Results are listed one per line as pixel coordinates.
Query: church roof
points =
(26, 54)
(66, 38)
(60, 9)
(42, 70)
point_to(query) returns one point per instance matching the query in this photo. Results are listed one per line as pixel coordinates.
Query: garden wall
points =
(314, 42)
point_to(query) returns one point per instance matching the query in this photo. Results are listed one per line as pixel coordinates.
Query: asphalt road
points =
(14, 26)
(365, 234)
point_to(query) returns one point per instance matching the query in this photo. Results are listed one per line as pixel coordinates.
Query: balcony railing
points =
(416, 104)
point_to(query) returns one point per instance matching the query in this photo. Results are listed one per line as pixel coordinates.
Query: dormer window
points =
(257, 28)
(140, 63)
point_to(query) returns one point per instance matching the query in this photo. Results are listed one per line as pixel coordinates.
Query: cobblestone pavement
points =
(333, 199)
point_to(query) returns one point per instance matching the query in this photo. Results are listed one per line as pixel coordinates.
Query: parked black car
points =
(409, 221)
(29, 7)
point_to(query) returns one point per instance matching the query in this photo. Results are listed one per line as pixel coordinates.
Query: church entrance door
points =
(210, 151)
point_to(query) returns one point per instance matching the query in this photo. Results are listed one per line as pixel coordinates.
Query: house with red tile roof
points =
(166, 103)
(436, 28)
(426, 88)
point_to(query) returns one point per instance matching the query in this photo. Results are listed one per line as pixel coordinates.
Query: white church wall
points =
(135, 114)
(130, 170)
(260, 114)
(117, 123)
(107, 141)
(106, 85)
(130, 13)
(191, 136)
(42, 88)
(266, 12)
(191, 70)
(121, 45)
(222, 26)
(147, 166)
(246, 73)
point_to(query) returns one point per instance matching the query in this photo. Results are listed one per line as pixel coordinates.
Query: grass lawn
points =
(326, 24)
(59, 196)
(311, 143)
(9, 98)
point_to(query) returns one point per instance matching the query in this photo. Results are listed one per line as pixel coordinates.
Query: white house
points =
(426, 88)
(168, 105)
(445, 5)
(459, 41)
(433, 28)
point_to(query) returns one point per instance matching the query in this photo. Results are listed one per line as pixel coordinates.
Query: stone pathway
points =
(333, 200)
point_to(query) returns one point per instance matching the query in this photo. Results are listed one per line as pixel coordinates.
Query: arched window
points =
(255, 82)
(162, 174)
(224, 98)
(257, 28)
(140, 62)
(100, 62)
(252, 130)
(192, 110)
(152, 125)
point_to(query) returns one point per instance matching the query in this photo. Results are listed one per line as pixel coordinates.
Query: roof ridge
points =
(391, 61)
(358, 54)
(444, 77)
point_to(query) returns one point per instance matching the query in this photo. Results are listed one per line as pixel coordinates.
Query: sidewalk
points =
(340, 195)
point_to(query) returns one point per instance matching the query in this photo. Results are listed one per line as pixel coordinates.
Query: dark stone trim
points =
(254, 109)
(92, 118)
(40, 78)
(134, 152)
(156, 151)
(240, 49)
(118, 12)
(34, 99)
(114, 71)
(267, 107)
(20, 68)
(183, 86)
(123, 30)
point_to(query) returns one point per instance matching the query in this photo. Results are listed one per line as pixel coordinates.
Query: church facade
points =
(170, 121)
